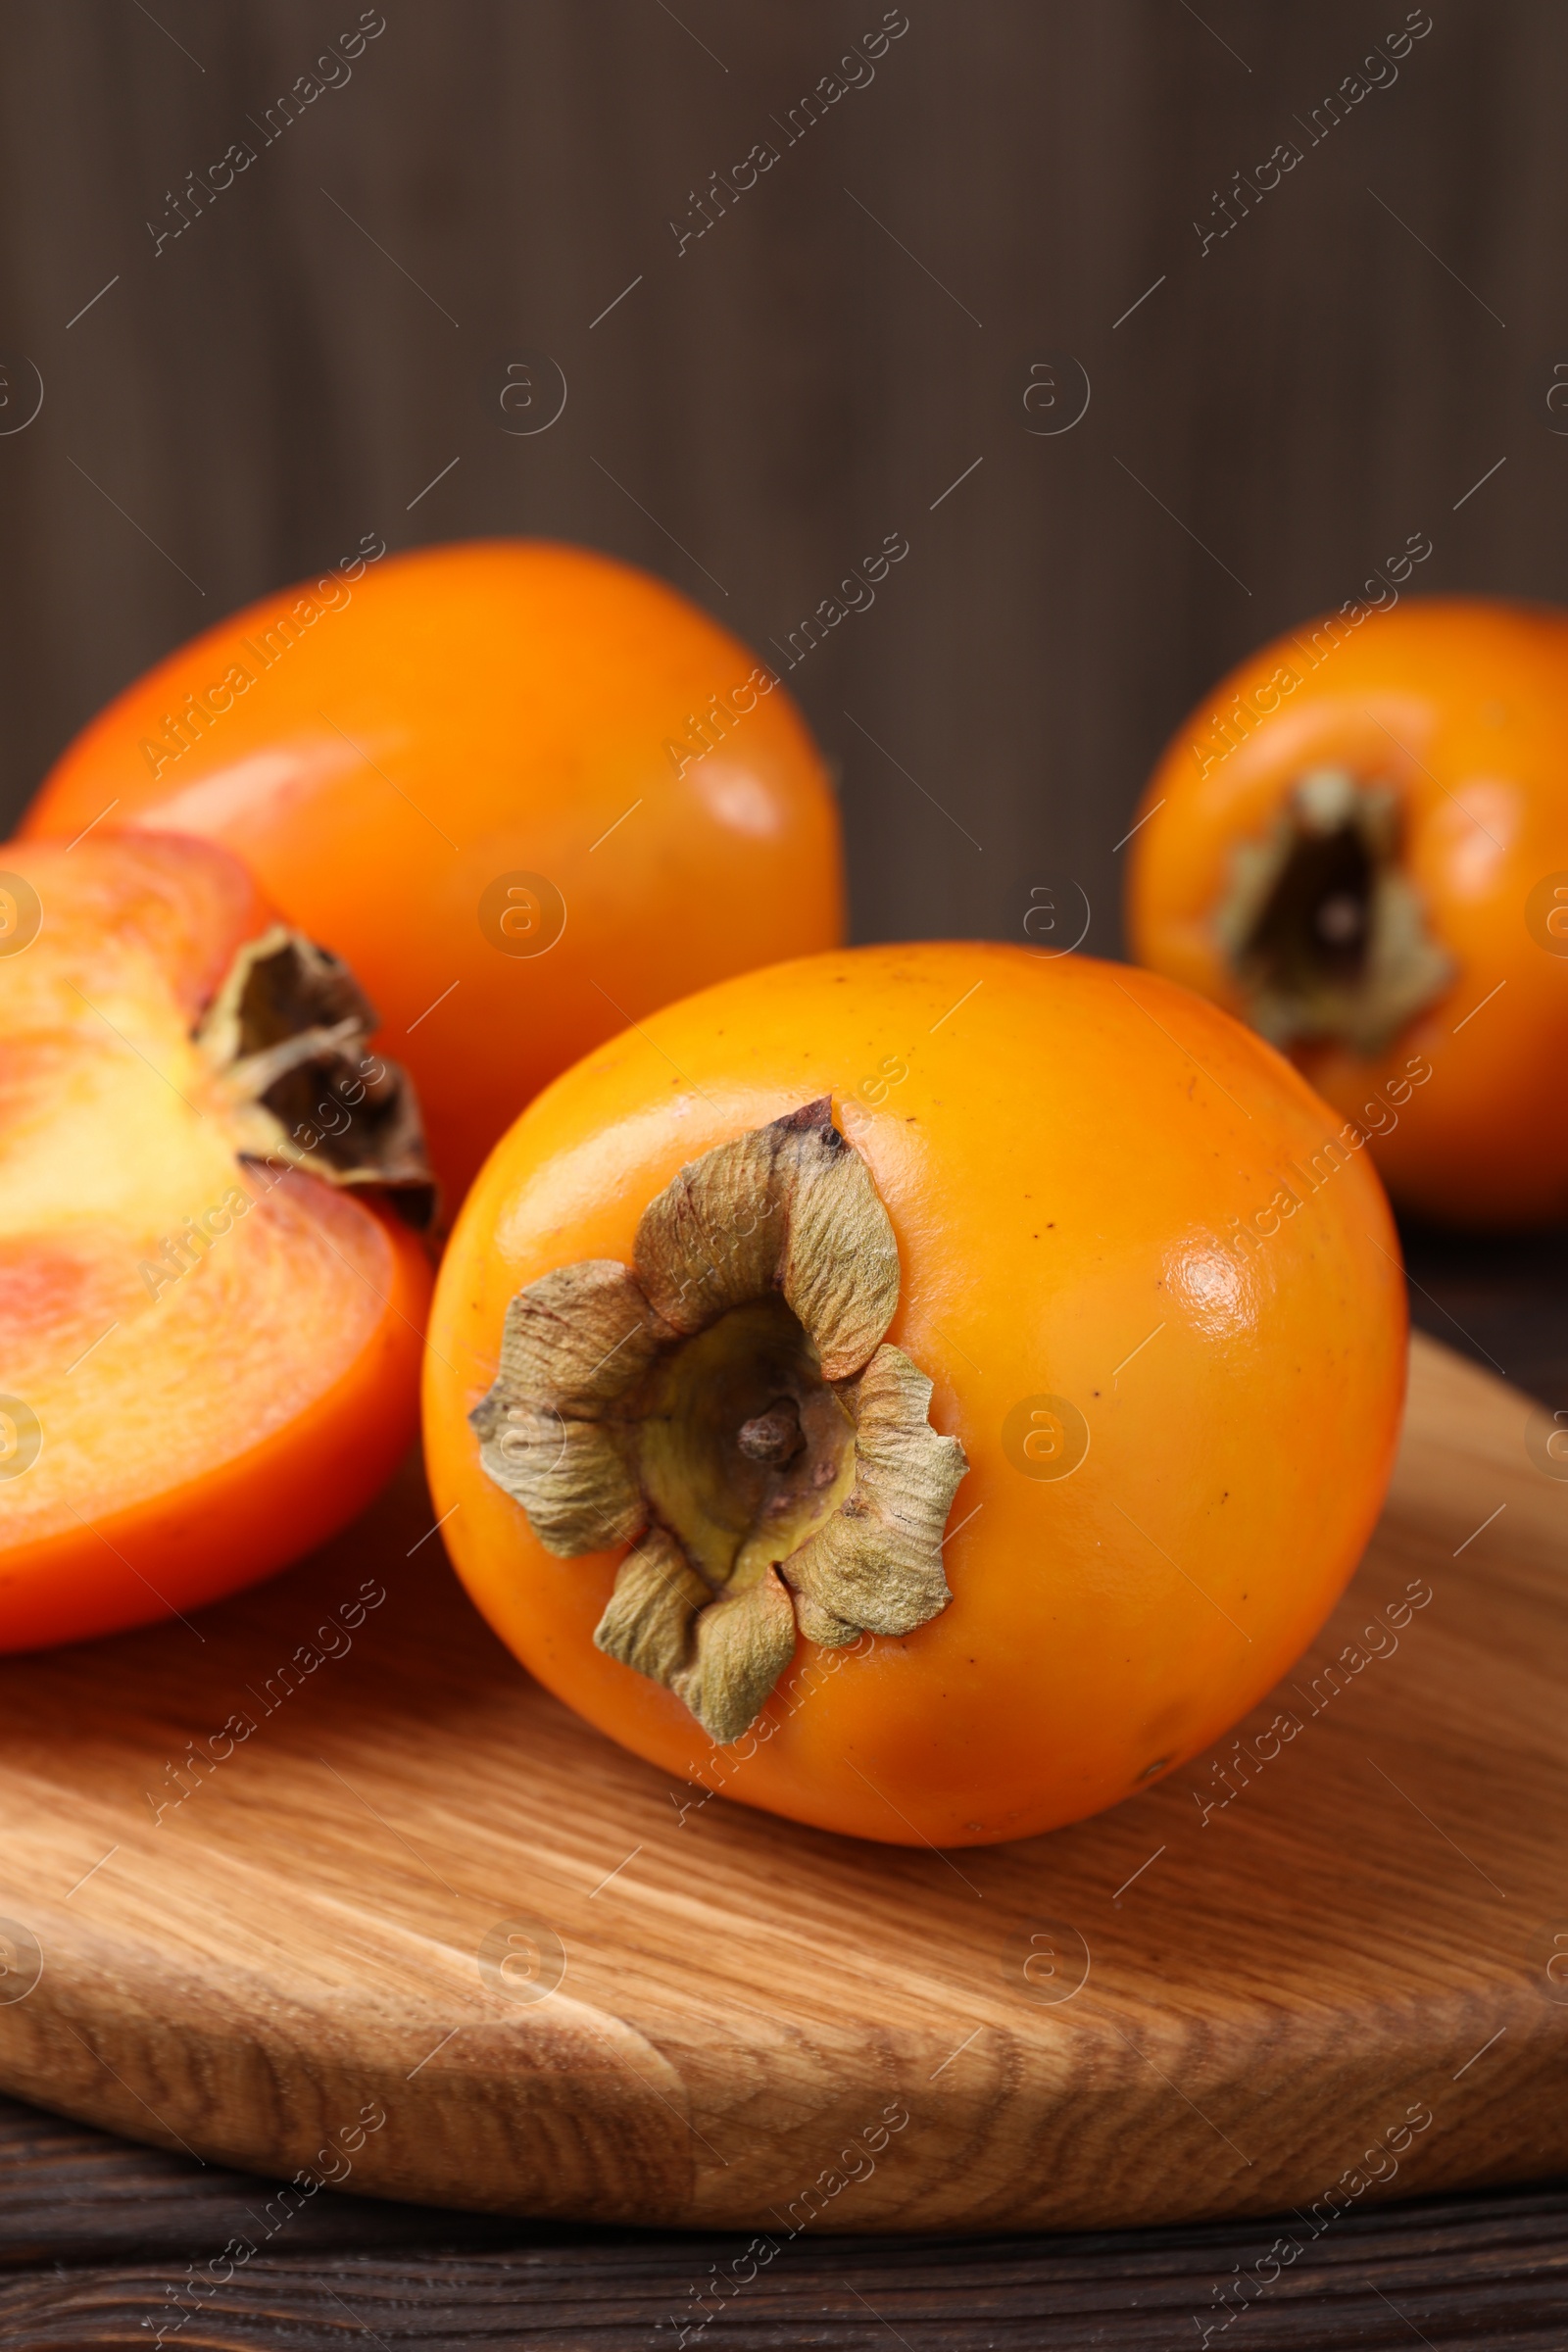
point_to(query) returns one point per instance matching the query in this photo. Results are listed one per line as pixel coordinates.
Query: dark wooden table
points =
(107, 2243)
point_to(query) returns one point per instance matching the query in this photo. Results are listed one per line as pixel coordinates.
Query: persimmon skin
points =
(464, 713)
(205, 1430)
(1067, 1151)
(1463, 703)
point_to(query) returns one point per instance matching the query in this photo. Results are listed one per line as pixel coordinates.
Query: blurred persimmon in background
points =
(1359, 843)
(528, 793)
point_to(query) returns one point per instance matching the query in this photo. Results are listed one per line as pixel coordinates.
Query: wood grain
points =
(752, 2011)
(73, 2197)
(1483, 2270)
(1506, 2297)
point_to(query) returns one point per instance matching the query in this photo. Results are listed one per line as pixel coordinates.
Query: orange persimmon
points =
(527, 792)
(211, 1353)
(875, 1388)
(1359, 843)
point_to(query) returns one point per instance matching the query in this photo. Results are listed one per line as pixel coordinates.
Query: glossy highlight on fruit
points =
(1149, 1317)
(211, 1319)
(1359, 843)
(527, 792)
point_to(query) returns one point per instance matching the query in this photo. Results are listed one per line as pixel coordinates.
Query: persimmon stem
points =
(288, 1033)
(1324, 932)
(775, 1436)
(731, 1400)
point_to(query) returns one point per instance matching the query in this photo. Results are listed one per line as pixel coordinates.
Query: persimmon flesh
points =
(929, 1392)
(527, 793)
(211, 1353)
(1359, 843)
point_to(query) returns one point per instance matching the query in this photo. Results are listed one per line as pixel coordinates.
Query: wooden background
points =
(331, 332)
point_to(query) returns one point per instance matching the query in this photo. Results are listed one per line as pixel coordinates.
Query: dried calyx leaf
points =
(877, 1562)
(288, 1033)
(1325, 934)
(788, 1208)
(730, 1399)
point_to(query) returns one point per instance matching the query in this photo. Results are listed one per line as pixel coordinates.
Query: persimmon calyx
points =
(288, 1036)
(728, 1404)
(1325, 933)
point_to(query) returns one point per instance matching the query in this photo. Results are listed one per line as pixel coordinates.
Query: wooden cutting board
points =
(427, 1935)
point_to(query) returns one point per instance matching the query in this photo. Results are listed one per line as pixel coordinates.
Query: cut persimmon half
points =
(212, 1292)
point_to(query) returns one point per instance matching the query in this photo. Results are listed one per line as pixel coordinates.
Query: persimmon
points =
(877, 1387)
(211, 1319)
(1360, 843)
(527, 793)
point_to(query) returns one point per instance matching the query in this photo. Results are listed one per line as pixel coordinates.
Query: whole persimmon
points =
(528, 794)
(1360, 843)
(210, 1319)
(876, 1387)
